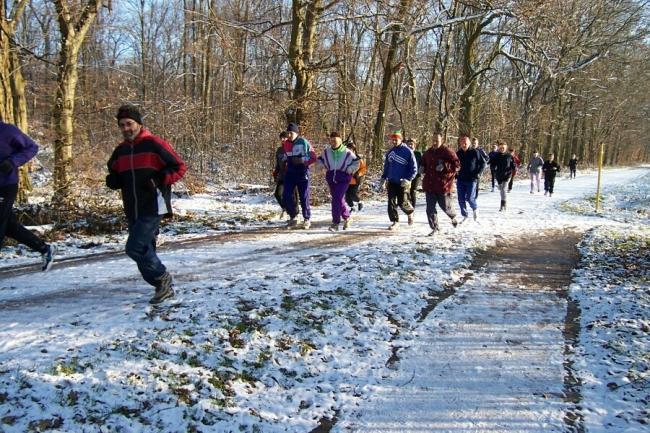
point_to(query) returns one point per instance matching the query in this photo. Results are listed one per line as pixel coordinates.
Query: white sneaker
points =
(393, 226)
(346, 224)
(475, 214)
(333, 228)
(306, 224)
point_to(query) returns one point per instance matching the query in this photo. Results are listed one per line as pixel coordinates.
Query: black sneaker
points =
(360, 206)
(163, 290)
(48, 258)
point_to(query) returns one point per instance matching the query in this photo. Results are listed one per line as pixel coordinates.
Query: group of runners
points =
(440, 170)
(144, 166)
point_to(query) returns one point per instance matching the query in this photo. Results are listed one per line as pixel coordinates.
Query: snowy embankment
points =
(612, 287)
(270, 334)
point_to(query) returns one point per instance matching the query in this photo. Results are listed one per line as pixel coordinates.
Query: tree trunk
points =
(13, 105)
(305, 19)
(73, 34)
(389, 71)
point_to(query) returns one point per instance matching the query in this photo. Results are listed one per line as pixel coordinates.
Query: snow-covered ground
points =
(283, 331)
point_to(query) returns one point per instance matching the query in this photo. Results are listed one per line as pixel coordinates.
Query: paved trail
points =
(492, 356)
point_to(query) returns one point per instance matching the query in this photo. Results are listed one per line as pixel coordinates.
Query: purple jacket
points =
(17, 147)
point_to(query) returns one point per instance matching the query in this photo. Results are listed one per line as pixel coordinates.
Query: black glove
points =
(6, 166)
(113, 181)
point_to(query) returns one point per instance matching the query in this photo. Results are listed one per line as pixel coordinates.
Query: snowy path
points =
(279, 332)
(490, 358)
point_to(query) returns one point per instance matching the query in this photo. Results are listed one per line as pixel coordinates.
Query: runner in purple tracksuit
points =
(341, 163)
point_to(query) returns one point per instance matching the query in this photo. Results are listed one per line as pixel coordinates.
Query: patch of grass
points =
(288, 303)
(67, 368)
(235, 340)
(284, 343)
(184, 395)
(220, 380)
(306, 347)
(194, 361)
(72, 398)
(46, 424)
(262, 359)
(246, 376)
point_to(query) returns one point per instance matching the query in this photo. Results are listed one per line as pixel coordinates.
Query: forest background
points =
(219, 79)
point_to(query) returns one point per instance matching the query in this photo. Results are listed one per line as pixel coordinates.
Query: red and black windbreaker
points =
(133, 166)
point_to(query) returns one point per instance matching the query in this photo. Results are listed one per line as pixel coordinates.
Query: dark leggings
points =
(9, 224)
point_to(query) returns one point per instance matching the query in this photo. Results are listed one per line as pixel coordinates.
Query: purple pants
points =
(338, 183)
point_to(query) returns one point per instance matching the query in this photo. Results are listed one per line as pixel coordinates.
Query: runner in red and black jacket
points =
(144, 167)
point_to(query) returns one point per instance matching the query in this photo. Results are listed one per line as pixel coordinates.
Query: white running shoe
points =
(333, 227)
(346, 224)
(306, 224)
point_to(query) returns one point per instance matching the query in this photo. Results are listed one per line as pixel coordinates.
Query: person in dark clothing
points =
(16, 149)
(471, 167)
(515, 158)
(550, 169)
(352, 194)
(279, 171)
(486, 160)
(144, 167)
(299, 155)
(399, 171)
(504, 166)
(573, 165)
(491, 156)
(439, 166)
(415, 183)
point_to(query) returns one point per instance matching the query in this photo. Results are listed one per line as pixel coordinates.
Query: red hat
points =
(396, 134)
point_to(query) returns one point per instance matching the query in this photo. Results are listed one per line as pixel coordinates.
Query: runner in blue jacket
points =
(400, 169)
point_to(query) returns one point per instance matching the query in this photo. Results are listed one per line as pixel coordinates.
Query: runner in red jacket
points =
(439, 164)
(144, 167)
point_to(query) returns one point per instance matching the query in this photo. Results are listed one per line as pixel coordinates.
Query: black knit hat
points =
(129, 111)
(292, 127)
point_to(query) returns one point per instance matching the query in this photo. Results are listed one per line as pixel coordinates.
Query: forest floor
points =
(530, 321)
